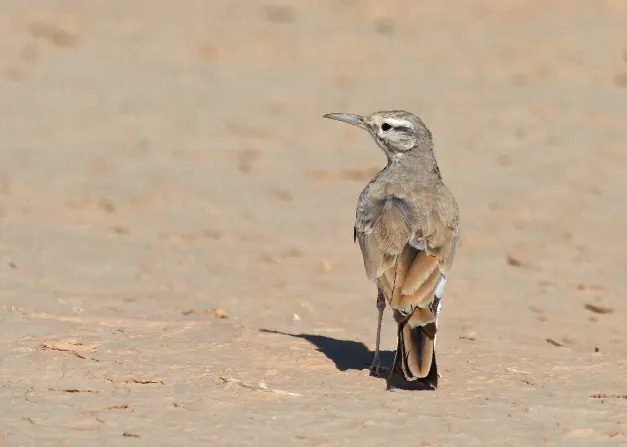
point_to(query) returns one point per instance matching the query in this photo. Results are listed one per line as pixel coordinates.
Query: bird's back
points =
(400, 203)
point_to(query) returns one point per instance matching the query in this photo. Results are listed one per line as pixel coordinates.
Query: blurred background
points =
(165, 163)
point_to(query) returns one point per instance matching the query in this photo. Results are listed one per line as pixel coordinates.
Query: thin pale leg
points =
(377, 369)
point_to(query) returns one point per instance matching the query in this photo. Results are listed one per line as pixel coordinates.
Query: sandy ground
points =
(176, 255)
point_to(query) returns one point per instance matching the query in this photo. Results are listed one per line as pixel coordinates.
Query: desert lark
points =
(407, 225)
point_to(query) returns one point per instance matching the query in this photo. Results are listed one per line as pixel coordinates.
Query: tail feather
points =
(417, 350)
(415, 354)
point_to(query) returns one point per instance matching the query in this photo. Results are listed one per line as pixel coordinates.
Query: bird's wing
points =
(436, 242)
(383, 230)
(409, 252)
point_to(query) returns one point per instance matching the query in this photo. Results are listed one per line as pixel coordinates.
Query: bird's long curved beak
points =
(355, 120)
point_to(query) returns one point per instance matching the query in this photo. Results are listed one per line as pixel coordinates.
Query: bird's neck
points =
(422, 162)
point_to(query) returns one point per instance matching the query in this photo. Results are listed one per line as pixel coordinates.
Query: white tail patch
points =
(439, 289)
(439, 293)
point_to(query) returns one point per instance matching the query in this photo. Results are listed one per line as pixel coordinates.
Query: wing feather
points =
(409, 255)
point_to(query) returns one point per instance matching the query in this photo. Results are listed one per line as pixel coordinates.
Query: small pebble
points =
(326, 265)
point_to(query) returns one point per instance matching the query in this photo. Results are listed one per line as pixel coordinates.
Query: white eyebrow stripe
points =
(398, 123)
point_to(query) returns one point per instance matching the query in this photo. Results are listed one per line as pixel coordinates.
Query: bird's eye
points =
(385, 127)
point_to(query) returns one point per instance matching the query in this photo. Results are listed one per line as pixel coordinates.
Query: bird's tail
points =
(415, 353)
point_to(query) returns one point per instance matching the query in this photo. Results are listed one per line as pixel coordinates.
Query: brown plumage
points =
(407, 226)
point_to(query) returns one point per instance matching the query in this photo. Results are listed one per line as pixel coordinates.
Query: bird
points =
(407, 227)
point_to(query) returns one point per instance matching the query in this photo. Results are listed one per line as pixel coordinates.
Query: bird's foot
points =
(377, 369)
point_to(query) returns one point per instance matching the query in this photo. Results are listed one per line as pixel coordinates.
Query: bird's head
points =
(397, 132)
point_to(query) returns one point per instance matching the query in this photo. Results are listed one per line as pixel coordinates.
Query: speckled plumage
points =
(407, 226)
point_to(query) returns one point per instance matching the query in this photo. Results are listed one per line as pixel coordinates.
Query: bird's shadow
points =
(346, 354)
(354, 355)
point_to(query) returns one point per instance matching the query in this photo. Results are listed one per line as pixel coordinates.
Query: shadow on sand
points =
(346, 354)
(354, 355)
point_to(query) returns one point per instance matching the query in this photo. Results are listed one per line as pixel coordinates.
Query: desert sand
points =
(176, 255)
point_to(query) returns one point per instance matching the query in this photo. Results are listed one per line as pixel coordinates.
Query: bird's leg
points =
(376, 369)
